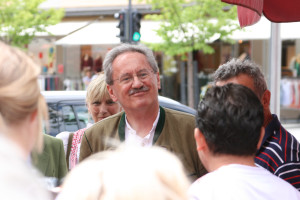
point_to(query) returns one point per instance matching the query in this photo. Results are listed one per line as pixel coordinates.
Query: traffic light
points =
(135, 26)
(121, 15)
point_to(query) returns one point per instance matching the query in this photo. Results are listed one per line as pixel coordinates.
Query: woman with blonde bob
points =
(22, 109)
(100, 106)
(129, 173)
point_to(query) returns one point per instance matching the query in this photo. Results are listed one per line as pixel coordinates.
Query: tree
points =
(20, 20)
(190, 25)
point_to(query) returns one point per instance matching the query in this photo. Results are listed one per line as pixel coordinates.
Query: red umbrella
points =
(250, 11)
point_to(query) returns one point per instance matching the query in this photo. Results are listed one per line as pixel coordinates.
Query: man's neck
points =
(216, 162)
(142, 121)
(268, 118)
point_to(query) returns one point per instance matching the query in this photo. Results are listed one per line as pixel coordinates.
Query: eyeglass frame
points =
(132, 76)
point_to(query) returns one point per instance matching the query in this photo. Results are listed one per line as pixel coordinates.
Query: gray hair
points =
(235, 67)
(123, 48)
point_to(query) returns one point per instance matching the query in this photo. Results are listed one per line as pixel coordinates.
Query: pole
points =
(183, 83)
(275, 68)
(196, 84)
(129, 20)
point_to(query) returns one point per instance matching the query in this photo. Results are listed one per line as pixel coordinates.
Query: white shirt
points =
(131, 137)
(236, 182)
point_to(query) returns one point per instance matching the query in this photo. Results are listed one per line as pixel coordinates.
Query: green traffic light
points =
(136, 36)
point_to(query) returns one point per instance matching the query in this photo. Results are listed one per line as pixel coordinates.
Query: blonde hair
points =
(97, 89)
(19, 90)
(129, 173)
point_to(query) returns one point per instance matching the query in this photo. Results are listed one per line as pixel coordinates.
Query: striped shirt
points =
(280, 153)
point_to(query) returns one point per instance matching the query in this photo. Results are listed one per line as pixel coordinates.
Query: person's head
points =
(98, 101)
(229, 122)
(129, 173)
(21, 103)
(132, 75)
(88, 72)
(245, 73)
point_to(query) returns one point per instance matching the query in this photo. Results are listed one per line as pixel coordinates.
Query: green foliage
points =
(191, 25)
(20, 20)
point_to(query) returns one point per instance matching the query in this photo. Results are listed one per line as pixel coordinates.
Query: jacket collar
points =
(158, 130)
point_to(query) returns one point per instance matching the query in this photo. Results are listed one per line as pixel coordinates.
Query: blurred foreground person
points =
(100, 106)
(22, 109)
(228, 135)
(280, 150)
(132, 78)
(129, 173)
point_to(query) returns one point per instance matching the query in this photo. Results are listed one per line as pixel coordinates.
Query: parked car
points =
(68, 111)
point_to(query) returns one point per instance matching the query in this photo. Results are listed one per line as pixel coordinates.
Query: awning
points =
(262, 30)
(63, 28)
(95, 33)
(106, 33)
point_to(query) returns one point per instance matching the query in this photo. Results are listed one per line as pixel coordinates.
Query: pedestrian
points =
(280, 150)
(87, 78)
(228, 135)
(132, 78)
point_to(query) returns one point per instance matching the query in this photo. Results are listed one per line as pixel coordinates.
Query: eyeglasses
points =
(142, 75)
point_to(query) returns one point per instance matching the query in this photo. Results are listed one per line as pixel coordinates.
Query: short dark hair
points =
(235, 67)
(230, 118)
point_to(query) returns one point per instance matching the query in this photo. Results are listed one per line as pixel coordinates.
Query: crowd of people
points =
(234, 148)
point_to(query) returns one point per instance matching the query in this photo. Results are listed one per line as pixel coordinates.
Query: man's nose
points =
(136, 82)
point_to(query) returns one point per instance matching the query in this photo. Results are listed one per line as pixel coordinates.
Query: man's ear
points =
(262, 134)
(266, 98)
(158, 81)
(200, 140)
(111, 93)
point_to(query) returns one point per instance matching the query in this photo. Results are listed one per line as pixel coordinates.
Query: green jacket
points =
(52, 161)
(174, 131)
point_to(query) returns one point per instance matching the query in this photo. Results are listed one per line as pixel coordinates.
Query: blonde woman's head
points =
(98, 101)
(130, 173)
(19, 93)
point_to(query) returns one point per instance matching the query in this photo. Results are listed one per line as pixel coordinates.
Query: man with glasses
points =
(132, 79)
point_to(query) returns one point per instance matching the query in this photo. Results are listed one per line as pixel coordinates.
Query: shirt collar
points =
(130, 132)
(271, 128)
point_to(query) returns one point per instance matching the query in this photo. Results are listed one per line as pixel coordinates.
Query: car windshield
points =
(67, 117)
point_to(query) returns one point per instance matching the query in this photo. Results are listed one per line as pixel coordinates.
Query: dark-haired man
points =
(228, 135)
